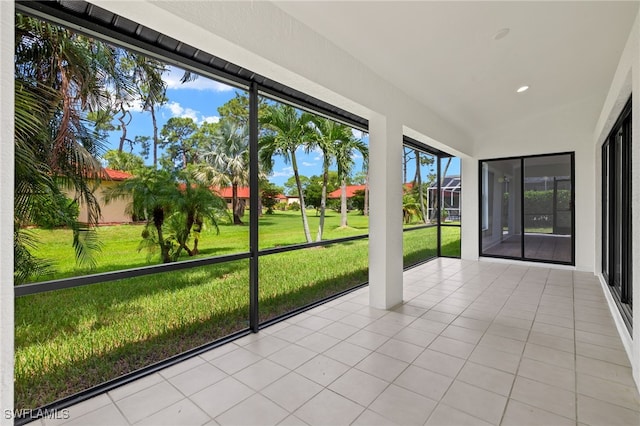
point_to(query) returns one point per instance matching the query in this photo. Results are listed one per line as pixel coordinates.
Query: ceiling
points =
(445, 56)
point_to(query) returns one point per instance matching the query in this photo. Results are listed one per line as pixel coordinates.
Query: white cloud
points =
(173, 75)
(357, 155)
(285, 172)
(317, 158)
(135, 106)
(307, 164)
(178, 110)
(211, 119)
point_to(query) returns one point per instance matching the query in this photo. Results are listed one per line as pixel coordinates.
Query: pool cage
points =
(450, 189)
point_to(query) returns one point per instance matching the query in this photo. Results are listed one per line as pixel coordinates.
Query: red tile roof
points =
(227, 192)
(351, 190)
(243, 192)
(116, 174)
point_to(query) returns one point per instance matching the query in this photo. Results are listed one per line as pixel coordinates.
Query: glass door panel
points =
(501, 208)
(548, 208)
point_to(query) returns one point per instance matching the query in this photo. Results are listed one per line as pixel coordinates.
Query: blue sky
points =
(199, 100)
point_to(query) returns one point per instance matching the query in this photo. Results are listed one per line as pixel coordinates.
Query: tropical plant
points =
(286, 130)
(193, 204)
(60, 78)
(123, 161)
(329, 136)
(225, 162)
(410, 208)
(174, 206)
(345, 151)
(151, 194)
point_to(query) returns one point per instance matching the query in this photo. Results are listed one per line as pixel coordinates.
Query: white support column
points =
(385, 220)
(469, 205)
(7, 26)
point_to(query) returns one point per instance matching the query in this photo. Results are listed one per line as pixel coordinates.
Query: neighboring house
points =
(243, 195)
(115, 211)
(351, 191)
(227, 194)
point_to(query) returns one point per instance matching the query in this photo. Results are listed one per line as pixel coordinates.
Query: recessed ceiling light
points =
(522, 89)
(501, 34)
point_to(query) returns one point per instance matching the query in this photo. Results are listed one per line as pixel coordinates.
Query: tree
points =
(236, 109)
(195, 203)
(291, 185)
(152, 92)
(60, 78)
(328, 136)
(418, 187)
(358, 200)
(123, 161)
(174, 209)
(226, 162)
(345, 151)
(269, 196)
(179, 146)
(152, 193)
(285, 131)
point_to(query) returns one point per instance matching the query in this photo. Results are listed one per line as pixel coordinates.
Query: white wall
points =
(625, 82)
(6, 210)
(562, 129)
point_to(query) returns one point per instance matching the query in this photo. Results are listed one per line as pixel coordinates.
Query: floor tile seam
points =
(366, 407)
(587, 373)
(146, 388)
(284, 408)
(573, 339)
(230, 408)
(637, 409)
(601, 345)
(575, 351)
(454, 408)
(243, 368)
(184, 395)
(113, 402)
(515, 374)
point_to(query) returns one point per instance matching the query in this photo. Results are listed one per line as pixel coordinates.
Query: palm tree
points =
(226, 162)
(328, 135)
(152, 194)
(345, 151)
(285, 131)
(60, 77)
(195, 203)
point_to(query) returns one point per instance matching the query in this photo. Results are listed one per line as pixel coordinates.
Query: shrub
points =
(295, 206)
(54, 211)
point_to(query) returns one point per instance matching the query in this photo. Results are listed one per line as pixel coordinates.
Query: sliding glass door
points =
(548, 208)
(616, 214)
(527, 208)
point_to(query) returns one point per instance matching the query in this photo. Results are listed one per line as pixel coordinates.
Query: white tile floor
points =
(475, 343)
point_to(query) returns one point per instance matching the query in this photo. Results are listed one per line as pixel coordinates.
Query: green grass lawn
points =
(72, 339)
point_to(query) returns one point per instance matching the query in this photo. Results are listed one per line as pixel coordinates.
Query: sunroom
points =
(490, 279)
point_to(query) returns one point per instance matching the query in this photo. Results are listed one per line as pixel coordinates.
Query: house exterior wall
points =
(114, 212)
(625, 82)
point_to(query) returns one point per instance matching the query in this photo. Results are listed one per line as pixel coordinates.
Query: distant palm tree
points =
(345, 151)
(328, 136)
(226, 162)
(285, 131)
